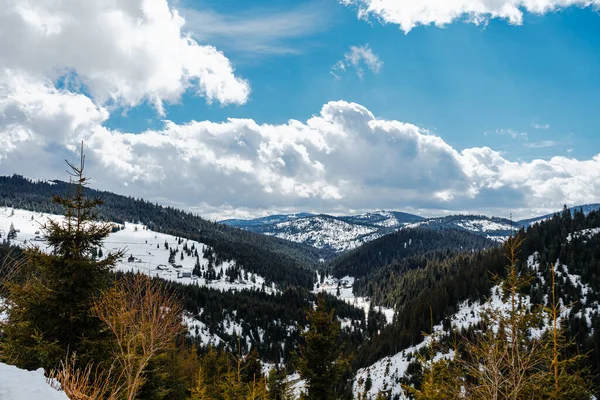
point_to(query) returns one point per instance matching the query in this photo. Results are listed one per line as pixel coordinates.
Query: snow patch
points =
(20, 384)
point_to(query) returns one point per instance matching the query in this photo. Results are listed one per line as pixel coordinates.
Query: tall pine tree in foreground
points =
(50, 312)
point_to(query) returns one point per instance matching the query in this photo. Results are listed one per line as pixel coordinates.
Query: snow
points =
(148, 249)
(386, 373)
(330, 286)
(297, 385)
(19, 384)
(586, 234)
(483, 225)
(146, 246)
(197, 328)
(323, 232)
(3, 311)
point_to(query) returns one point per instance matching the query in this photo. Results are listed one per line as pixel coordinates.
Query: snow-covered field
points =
(19, 384)
(145, 251)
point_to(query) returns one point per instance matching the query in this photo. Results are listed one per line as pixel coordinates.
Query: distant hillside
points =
(334, 234)
(280, 261)
(338, 234)
(402, 244)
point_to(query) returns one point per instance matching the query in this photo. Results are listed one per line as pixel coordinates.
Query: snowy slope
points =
(493, 228)
(338, 234)
(19, 384)
(386, 373)
(146, 247)
(322, 232)
(330, 286)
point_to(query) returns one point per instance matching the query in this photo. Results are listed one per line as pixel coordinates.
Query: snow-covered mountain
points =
(344, 233)
(490, 227)
(338, 234)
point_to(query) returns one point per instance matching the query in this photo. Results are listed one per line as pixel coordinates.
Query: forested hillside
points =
(446, 282)
(402, 244)
(280, 261)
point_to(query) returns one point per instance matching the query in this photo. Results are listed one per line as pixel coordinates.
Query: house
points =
(131, 259)
(182, 274)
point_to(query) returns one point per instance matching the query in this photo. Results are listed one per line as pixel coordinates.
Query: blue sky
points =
(463, 82)
(236, 108)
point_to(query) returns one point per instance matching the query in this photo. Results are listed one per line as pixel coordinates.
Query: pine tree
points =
(50, 313)
(12, 232)
(506, 359)
(278, 386)
(321, 360)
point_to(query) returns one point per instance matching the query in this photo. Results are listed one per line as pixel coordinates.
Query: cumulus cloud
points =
(121, 53)
(343, 158)
(357, 58)
(411, 13)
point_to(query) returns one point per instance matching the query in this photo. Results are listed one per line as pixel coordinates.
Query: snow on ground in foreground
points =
(146, 246)
(19, 384)
(330, 287)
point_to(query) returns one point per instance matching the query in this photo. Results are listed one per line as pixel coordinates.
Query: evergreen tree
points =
(50, 312)
(321, 361)
(278, 387)
(12, 232)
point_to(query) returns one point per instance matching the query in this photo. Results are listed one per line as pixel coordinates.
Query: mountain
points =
(326, 232)
(587, 208)
(338, 234)
(403, 244)
(491, 227)
(447, 291)
(264, 221)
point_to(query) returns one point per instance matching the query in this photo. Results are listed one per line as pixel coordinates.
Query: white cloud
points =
(122, 53)
(357, 58)
(411, 13)
(343, 158)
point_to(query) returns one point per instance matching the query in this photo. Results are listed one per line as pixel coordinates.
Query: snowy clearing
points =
(330, 286)
(145, 251)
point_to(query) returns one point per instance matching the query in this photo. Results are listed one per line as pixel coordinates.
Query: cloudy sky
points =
(234, 108)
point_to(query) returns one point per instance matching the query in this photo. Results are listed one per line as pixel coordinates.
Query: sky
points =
(234, 108)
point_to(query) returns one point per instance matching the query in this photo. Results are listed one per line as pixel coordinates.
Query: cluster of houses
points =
(338, 282)
(163, 267)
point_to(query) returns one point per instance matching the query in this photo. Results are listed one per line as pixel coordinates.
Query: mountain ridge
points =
(340, 234)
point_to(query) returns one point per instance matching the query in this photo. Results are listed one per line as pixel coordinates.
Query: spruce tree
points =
(50, 312)
(321, 361)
